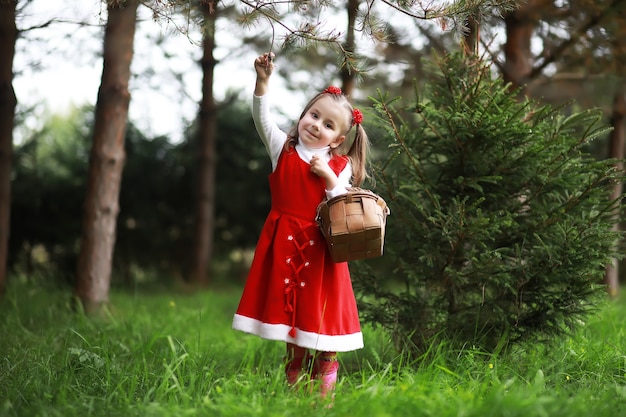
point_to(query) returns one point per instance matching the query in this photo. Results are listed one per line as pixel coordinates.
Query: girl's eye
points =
(329, 126)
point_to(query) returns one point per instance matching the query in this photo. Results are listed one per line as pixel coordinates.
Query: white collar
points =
(307, 153)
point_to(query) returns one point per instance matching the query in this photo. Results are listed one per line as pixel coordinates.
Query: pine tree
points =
(500, 223)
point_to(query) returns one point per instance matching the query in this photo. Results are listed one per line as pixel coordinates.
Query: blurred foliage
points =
(500, 225)
(155, 222)
(48, 186)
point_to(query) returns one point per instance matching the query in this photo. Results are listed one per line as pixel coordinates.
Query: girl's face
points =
(324, 124)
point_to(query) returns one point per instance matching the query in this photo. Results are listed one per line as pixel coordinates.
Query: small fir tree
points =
(501, 222)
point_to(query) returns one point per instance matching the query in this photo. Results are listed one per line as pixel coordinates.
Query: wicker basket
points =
(353, 224)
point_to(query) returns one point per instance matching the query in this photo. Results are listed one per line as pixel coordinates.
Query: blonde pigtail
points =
(358, 156)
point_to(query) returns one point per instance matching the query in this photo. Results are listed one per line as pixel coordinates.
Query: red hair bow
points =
(357, 117)
(333, 90)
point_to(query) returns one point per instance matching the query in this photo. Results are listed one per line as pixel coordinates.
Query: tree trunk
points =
(520, 25)
(106, 160)
(347, 73)
(616, 150)
(8, 101)
(205, 203)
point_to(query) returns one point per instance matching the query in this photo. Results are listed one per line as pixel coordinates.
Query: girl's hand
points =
(320, 167)
(264, 66)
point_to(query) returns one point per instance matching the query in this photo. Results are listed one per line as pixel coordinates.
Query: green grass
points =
(175, 355)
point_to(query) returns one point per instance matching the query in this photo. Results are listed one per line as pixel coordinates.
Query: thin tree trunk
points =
(207, 131)
(616, 150)
(520, 25)
(347, 73)
(8, 101)
(107, 159)
(471, 38)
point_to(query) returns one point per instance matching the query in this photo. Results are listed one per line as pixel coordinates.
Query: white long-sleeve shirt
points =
(274, 140)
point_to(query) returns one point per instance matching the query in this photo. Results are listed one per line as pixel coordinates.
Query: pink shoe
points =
(325, 371)
(296, 370)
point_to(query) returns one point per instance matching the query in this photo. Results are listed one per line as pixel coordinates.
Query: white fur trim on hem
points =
(309, 340)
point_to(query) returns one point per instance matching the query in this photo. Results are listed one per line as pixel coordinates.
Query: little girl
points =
(294, 292)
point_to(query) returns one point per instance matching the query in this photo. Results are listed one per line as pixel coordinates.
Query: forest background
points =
(190, 202)
(101, 196)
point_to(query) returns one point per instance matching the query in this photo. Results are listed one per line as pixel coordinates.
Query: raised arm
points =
(272, 136)
(264, 66)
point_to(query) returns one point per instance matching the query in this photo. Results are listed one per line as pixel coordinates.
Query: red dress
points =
(294, 291)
